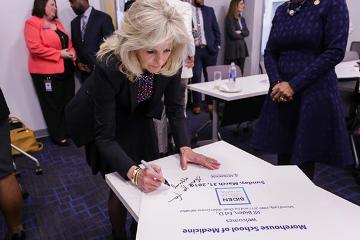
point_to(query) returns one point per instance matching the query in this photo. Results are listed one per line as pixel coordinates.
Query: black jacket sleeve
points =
(108, 148)
(216, 29)
(4, 110)
(230, 29)
(107, 27)
(174, 106)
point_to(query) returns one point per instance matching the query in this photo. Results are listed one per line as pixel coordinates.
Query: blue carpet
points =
(68, 202)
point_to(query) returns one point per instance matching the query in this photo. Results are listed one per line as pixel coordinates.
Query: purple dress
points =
(303, 50)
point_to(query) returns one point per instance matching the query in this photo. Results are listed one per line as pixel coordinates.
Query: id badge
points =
(48, 86)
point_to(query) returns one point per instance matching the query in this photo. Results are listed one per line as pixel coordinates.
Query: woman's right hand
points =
(148, 180)
(282, 92)
(66, 54)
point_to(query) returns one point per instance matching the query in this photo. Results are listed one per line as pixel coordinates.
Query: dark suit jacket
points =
(103, 107)
(99, 26)
(4, 110)
(128, 5)
(235, 45)
(211, 28)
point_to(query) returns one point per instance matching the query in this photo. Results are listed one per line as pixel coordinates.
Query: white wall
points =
(253, 14)
(15, 80)
(354, 7)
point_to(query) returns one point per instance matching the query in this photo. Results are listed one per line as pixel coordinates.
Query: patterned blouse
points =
(144, 85)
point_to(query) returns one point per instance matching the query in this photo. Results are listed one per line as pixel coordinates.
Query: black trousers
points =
(53, 102)
(6, 166)
(203, 59)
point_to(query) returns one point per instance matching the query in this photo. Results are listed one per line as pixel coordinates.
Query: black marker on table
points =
(147, 166)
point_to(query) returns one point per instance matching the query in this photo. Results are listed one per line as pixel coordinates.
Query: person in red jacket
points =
(51, 65)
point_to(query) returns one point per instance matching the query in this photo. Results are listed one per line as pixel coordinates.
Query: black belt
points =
(201, 46)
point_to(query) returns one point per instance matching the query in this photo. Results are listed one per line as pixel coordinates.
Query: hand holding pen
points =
(150, 178)
(150, 168)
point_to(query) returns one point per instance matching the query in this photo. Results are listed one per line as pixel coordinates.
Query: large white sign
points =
(246, 205)
(245, 199)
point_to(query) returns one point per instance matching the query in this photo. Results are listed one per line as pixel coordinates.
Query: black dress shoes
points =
(62, 142)
(18, 236)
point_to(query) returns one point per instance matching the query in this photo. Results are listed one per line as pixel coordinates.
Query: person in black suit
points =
(128, 5)
(207, 44)
(137, 66)
(11, 202)
(88, 31)
(236, 31)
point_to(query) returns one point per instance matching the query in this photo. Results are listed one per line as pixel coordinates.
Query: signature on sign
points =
(183, 186)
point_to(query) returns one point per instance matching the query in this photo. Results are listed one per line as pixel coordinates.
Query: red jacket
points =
(44, 46)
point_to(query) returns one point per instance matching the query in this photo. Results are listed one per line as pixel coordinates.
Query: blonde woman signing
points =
(137, 66)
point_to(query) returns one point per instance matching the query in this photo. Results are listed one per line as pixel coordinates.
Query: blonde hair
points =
(147, 24)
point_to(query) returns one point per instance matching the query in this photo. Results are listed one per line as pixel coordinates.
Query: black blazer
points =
(99, 26)
(235, 45)
(128, 5)
(211, 29)
(108, 99)
(4, 110)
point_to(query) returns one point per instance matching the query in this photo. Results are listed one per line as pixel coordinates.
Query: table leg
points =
(215, 121)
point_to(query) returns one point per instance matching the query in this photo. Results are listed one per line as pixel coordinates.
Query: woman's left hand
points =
(187, 155)
(189, 62)
(282, 92)
(74, 57)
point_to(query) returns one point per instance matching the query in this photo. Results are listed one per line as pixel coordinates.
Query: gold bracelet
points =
(133, 175)
(137, 176)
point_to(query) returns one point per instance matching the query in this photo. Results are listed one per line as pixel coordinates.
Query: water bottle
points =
(232, 75)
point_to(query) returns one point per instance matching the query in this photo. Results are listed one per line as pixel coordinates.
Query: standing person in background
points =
(185, 10)
(302, 118)
(207, 44)
(11, 202)
(235, 32)
(128, 4)
(51, 65)
(87, 40)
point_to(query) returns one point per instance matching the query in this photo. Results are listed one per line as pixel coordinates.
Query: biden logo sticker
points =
(232, 196)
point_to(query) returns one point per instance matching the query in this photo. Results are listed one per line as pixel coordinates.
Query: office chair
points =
(38, 169)
(346, 86)
(350, 96)
(224, 69)
(355, 46)
(233, 112)
(351, 55)
(262, 67)
(352, 117)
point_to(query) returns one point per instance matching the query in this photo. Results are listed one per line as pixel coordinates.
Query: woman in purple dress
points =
(302, 118)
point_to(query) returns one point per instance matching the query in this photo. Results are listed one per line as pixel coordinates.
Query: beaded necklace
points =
(293, 8)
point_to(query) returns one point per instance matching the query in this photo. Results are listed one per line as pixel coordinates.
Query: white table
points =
(320, 210)
(251, 86)
(347, 69)
(130, 195)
